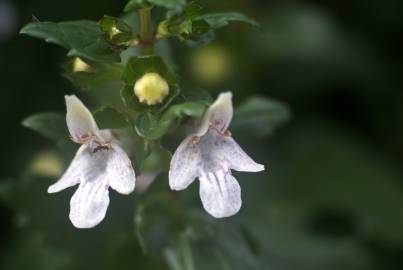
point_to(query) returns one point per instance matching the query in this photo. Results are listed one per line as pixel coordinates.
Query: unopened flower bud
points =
(162, 30)
(114, 31)
(151, 88)
(81, 66)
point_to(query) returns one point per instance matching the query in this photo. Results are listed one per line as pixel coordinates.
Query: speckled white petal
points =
(184, 165)
(89, 203)
(235, 156)
(120, 170)
(74, 173)
(219, 114)
(220, 194)
(80, 121)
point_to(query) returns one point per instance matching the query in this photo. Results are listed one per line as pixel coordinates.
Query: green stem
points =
(146, 34)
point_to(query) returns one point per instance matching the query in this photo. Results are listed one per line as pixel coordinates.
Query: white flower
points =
(99, 163)
(209, 154)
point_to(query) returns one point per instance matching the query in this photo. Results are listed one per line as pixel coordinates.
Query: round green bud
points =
(151, 89)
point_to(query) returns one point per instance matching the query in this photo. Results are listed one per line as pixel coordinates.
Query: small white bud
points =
(151, 88)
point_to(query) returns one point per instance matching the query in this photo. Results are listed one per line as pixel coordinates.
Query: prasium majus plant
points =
(142, 104)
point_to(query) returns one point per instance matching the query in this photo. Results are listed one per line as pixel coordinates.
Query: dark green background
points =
(332, 196)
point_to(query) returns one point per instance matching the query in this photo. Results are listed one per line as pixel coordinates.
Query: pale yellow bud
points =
(114, 31)
(163, 30)
(151, 88)
(80, 65)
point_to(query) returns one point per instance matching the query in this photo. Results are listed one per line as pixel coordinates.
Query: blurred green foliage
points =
(332, 197)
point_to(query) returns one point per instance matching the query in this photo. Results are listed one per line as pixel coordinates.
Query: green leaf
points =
(157, 219)
(135, 68)
(260, 115)
(179, 256)
(192, 11)
(196, 28)
(147, 126)
(217, 20)
(200, 40)
(96, 76)
(169, 4)
(197, 94)
(82, 38)
(202, 238)
(152, 128)
(184, 25)
(134, 4)
(110, 118)
(116, 31)
(192, 109)
(157, 161)
(51, 125)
